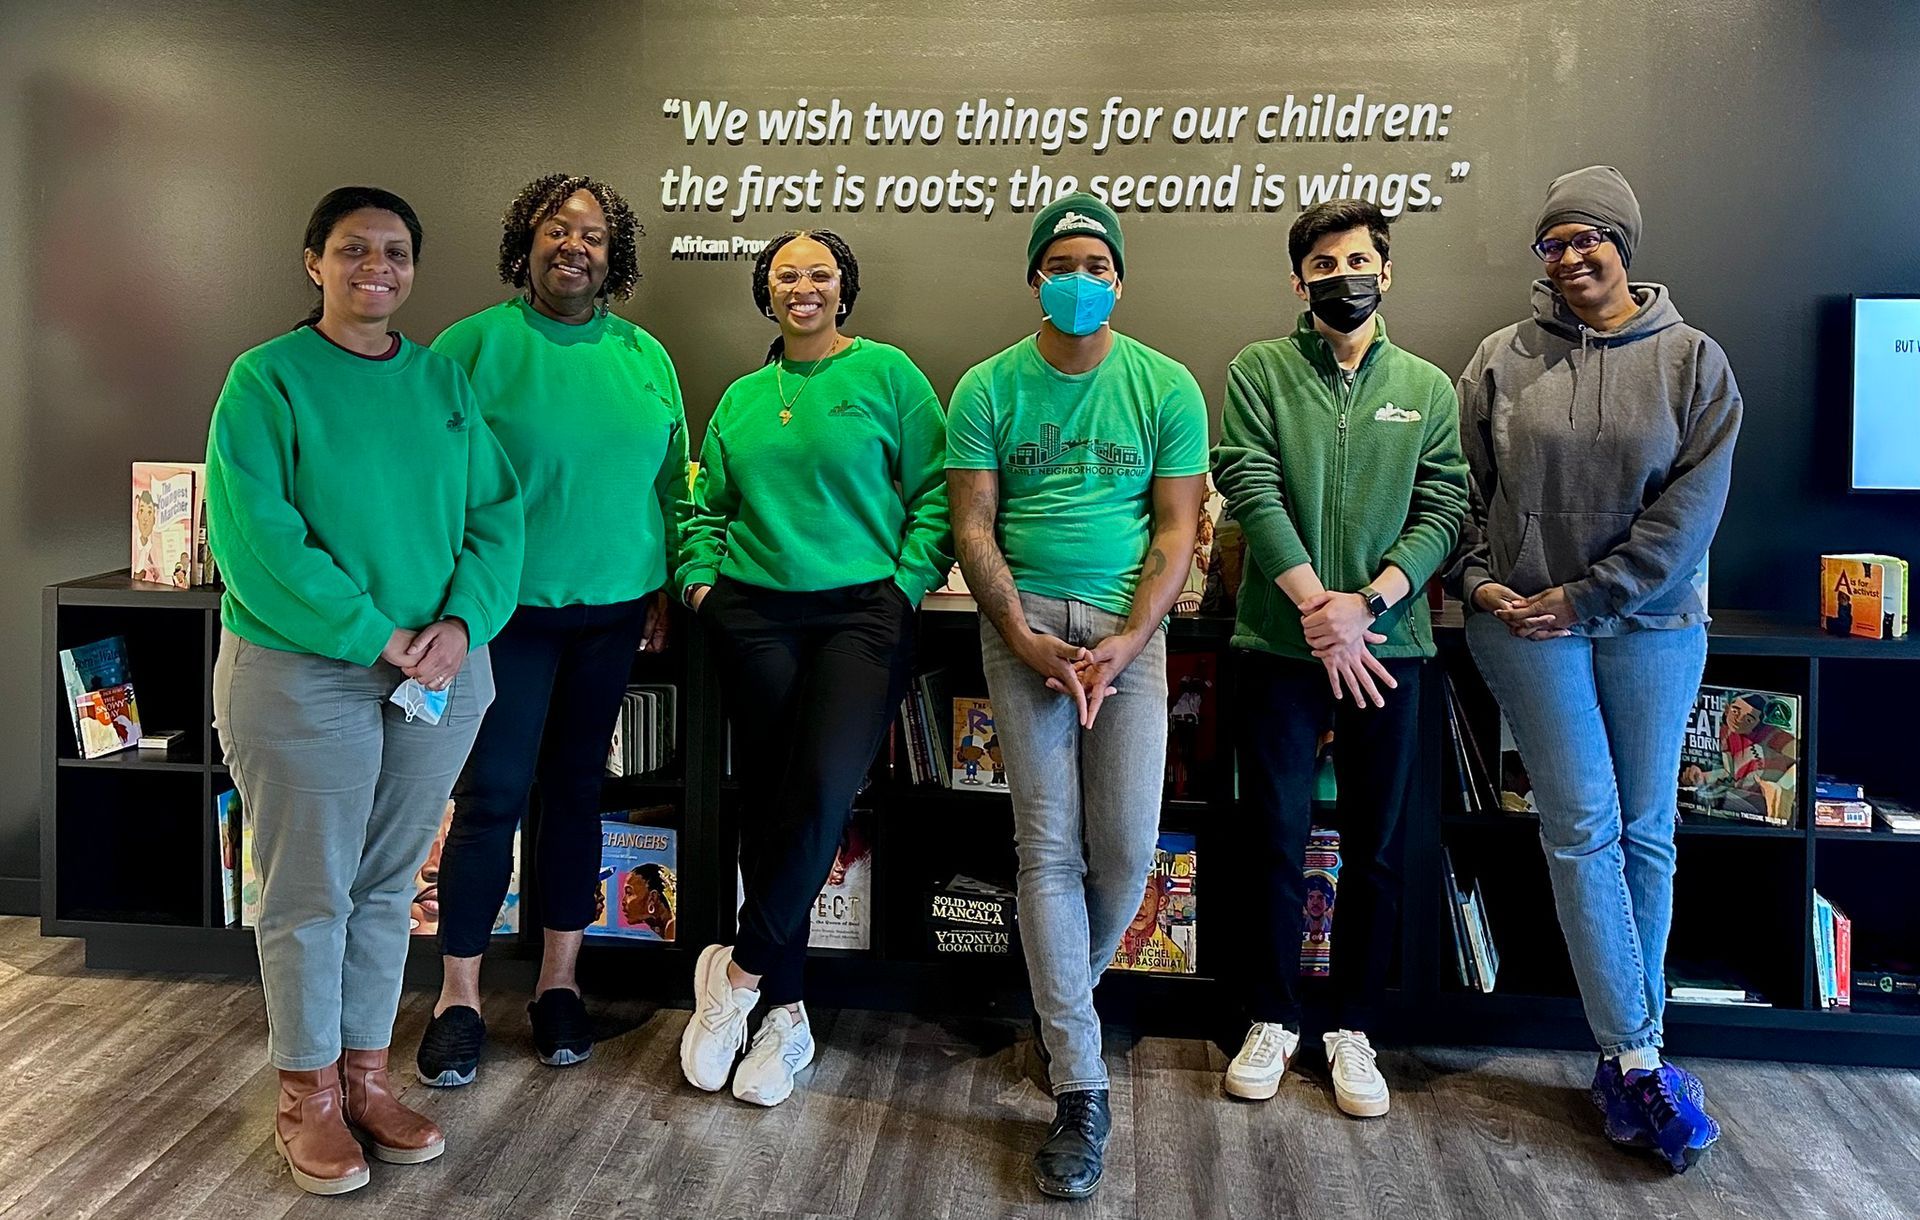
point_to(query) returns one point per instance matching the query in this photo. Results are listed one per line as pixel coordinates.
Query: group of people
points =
(498, 521)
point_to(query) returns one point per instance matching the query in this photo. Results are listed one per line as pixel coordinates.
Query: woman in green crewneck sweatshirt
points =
(820, 520)
(369, 530)
(587, 406)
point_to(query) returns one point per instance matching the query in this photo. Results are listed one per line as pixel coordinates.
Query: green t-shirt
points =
(851, 489)
(1077, 454)
(591, 417)
(347, 497)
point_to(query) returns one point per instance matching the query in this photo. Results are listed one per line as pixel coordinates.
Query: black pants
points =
(811, 680)
(560, 673)
(1284, 706)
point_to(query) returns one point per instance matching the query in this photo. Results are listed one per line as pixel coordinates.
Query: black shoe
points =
(561, 1031)
(449, 1052)
(1069, 1164)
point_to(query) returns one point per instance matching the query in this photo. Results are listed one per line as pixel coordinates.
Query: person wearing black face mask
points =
(1340, 458)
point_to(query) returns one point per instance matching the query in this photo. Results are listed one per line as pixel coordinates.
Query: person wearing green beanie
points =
(1076, 463)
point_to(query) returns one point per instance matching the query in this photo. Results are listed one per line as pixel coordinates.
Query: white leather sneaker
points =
(717, 1030)
(1358, 1087)
(781, 1048)
(1255, 1072)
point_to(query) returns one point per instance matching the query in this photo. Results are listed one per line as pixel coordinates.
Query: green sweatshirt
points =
(591, 418)
(347, 497)
(1346, 476)
(850, 490)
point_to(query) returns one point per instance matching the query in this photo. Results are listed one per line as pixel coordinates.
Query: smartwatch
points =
(1376, 604)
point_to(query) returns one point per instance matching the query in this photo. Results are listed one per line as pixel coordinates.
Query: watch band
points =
(1376, 604)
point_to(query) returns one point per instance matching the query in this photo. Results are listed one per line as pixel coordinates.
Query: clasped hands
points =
(1338, 627)
(1085, 675)
(1546, 615)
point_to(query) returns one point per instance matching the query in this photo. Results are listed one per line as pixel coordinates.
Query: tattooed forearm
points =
(1176, 518)
(981, 560)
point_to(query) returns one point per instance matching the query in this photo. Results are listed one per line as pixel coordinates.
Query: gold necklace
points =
(787, 404)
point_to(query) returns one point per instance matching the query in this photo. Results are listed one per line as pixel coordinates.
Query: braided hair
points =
(338, 204)
(539, 200)
(842, 254)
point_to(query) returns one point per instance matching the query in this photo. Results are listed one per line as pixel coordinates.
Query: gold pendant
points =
(786, 416)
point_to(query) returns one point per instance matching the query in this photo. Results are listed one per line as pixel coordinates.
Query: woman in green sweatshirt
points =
(587, 406)
(820, 520)
(368, 527)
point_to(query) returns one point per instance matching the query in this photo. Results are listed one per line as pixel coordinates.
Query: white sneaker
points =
(1256, 1071)
(717, 1031)
(1358, 1087)
(781, 1048)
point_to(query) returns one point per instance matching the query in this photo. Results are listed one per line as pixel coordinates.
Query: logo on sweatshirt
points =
(457, 422)
(1391, 414)
(847, 408)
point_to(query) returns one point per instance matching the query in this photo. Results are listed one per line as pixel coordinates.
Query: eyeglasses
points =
(789, 278)
(1553, 249)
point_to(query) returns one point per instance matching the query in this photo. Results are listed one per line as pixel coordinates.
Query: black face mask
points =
(1344, 302)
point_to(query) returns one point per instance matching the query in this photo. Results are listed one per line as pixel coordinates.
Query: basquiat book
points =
(1323, 885)
(976, 762)
(1193, 717)
(100, 702)
(1163, 935)
(639, 877)
(1864, 596)
(424, 914)
(1741, 755)
(842, 916)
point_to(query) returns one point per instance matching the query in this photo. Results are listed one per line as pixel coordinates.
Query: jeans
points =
(1086, 817)
(561, 673)
(812, 680)
(1283, 706)
(345, 795)
(1599, 723)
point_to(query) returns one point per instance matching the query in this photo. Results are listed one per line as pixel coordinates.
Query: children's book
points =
(1323, 884)
(1740, 757)
(227, 806)
(100, 702)
(169, 524)
(842, 916)
(639, 877)
(1163, 937)
(1864, 596)
(1192, 722)
(424, 915)
(975, 762)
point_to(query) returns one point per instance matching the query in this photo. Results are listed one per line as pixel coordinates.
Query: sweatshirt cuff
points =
(480, 626)
(1416, 565)
(369, 640)
(691, 577)
(1273, 541)
(1589, 600)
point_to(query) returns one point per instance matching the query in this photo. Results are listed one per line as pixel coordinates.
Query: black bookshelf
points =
(129, 848)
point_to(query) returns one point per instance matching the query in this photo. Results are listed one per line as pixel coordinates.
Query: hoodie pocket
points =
(1556, 548)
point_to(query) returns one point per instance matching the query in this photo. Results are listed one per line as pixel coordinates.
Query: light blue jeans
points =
(345, 795)
(1086, 816)
(1599, 723)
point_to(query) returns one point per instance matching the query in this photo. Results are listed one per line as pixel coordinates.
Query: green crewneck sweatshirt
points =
(591, 418)
(347, 497)
(850, 489)
(1348, 474)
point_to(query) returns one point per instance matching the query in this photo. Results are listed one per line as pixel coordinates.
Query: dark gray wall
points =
(156, 169)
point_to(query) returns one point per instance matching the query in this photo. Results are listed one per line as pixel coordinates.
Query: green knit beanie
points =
(1076, 215)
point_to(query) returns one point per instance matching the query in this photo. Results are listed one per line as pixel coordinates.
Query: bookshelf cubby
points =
(129, 848)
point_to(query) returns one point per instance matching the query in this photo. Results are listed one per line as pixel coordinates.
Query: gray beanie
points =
(1596, 195)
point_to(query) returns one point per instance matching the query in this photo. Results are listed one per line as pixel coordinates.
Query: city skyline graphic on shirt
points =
(1051, 452)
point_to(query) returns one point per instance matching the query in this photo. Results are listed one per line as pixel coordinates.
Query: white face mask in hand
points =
(417, 701)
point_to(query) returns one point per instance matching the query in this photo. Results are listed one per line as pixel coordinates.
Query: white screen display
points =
(1886, 394)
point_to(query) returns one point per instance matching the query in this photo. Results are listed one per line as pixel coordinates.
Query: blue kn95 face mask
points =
(1076, 303)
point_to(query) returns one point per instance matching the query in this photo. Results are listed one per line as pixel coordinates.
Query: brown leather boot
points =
(400, 1136)
(310, 1130)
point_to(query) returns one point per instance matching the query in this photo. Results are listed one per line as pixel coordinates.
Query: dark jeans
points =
(1284, 705)
(561, 673)
(812, 680)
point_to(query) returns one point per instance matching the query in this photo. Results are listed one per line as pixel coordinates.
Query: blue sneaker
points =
(1621, 1117)
(1674, 1123)
(1606, 1094)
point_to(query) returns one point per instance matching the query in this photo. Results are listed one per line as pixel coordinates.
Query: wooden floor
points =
(125, 1095)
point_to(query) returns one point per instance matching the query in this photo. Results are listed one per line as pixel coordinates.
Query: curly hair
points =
(539, 200)
(842, 254)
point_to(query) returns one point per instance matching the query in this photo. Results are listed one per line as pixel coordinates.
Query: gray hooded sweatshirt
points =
(1599, 461)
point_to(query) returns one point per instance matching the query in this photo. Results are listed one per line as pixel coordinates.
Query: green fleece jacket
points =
(1348, 476)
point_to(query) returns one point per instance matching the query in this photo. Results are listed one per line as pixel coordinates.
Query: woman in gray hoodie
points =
(1599, 435)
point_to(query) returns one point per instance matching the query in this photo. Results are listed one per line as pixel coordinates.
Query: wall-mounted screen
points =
(1886, 393)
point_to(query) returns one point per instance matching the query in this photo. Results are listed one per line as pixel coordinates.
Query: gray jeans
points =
(1086, 815)
(345, 795)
